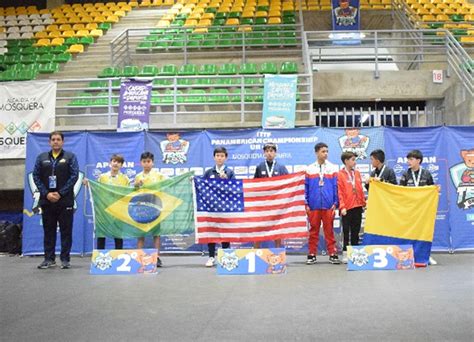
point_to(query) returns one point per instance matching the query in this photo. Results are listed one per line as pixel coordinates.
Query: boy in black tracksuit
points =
(381, 171)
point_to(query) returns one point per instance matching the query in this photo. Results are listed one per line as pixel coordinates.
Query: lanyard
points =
(54, 162)
(270, 171)
(416, 180)
(351, 176)
(322, 170)
(381, 172)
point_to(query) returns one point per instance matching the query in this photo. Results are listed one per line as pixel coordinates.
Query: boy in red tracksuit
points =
(321, 201)
(351, 200)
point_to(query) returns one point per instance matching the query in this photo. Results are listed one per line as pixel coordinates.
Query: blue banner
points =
(180, 152)
(345, 15)
(431, 142)
(134, 106)
(279, 101)
(460, 151)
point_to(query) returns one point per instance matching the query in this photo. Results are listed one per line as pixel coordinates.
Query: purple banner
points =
(134, 106)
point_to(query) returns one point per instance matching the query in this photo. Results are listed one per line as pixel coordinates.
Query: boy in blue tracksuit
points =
(321, 202)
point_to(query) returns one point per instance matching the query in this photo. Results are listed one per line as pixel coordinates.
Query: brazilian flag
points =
(165, 207)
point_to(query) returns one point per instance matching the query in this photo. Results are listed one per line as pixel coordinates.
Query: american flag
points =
(251, 209)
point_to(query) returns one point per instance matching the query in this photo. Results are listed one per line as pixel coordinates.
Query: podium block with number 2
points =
(124, 261)
(380, 257)
(251, 261)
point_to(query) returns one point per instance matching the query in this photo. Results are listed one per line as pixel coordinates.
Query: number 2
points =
(126, 260)
(380, 260)
(251, 258)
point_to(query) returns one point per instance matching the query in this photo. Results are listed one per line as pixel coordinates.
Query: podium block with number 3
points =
(124, 261)
(380, 257)
(251, 261)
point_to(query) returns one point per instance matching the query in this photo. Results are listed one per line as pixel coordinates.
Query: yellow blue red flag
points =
(398, 215)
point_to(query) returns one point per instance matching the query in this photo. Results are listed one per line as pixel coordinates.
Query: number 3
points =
(126, 260)
(380, 260)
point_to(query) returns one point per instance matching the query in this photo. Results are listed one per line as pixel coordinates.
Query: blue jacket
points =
(212, 173)
(278, 170)
(321, 196)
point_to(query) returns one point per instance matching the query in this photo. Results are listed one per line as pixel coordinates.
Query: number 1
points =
(251, 258)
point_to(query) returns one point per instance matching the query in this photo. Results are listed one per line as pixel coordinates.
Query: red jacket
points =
(347, 198)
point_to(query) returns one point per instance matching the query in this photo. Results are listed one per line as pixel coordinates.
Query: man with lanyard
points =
(416, 175)
(219, 171)
(270, 168)
(381, 171)
(321, 202)
(55, 174)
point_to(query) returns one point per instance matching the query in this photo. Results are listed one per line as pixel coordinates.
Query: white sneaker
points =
(344, 258)
(210, 262)
(432, 262)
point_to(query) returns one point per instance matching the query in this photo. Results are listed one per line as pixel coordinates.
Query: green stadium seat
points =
(101, 99)
(12, 59)
(289, 14)
(59, 49)
(289, 68)
(289, 42)
(273, 42)
(457, 17)
(253, 80)
(177, 44)
(195, 96)
(219, 95)
(26, 75)
(246, 21)
(177, 23)
(49, 68)
(30, 50)
(209, 44)
(82, 100)
(28, 59)
(263, 8)
(204, 81)
(288, 34)
(98, 84)
(160, 46)
(8, 75)
(45, 59)
(208, 69)
(13, 51)
(248, 69)
(86, 41)
(26, 42)
(71, 41)
(152, 38)
(235, 97)
(62, 57)
(187, 70)
(104, 26)
(181, 16)
(13, 43)
(162, 82)
(228, 69)
(289, 21)
(220, 16)
(234, 15)
(129, 71)
(168, 70)
(41, 50)
(268, 68)
(109, 72)
(226, 43)
(211, 10)
(227, 81)
(148, 71)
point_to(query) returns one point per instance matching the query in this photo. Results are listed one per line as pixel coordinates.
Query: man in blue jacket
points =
(321, 202)
(55, 174)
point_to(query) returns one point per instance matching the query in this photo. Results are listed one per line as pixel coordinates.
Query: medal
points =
(270, 171)
(321, 175)
(351, 176)
(379, 177)
(221, 172)
(416, 180)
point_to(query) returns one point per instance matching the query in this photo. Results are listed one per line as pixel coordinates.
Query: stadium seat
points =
(109, 72)
(289, 68)
(129, 71)
(76, 48)
(228, 69)
(48, 68)
(268, 68)
(148, 71)
(248, 69)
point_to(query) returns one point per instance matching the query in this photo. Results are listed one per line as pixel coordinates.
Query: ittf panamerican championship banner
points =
(448, 155)
(24, 107)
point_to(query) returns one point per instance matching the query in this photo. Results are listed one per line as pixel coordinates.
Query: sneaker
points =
(158, 262)
(333, 259)
(65, 265)
(210, 262)
(311, 260)
(46, 264)
(344, 258)
(432, 262)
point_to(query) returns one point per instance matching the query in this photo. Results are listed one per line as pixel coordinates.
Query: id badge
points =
(321, 182)
(52, 182)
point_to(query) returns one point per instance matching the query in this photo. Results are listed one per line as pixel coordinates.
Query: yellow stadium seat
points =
(119, 13)
(467, 40)
(196, 16)
(274, 21)
(274, 13)
(200, 30)
(65, 27)
(41, 34)
(190, 23)
(133, 4)
(76, 48)
(245, 28)
(91, 26)
(99, 19)
(82, 33)
(261, 14)
(52, 28)
(54, 34)
(68, 34)
(77, 27)
(57, 42)
(96, 33)
(42, 42)
(112, 19)
(428, 17)
(232, 22)
(204, 23)
(208, 16)
(442, 17)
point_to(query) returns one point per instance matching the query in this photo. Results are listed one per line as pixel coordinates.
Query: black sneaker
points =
(334, 259)
(65, 265)
(47, 264)
(158, 262)
(311, 260)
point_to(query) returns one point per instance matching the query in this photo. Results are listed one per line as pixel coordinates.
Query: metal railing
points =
(384, 116)
(233, 99)
(392, 50)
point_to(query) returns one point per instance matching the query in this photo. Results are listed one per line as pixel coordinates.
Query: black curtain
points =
(38, 3)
